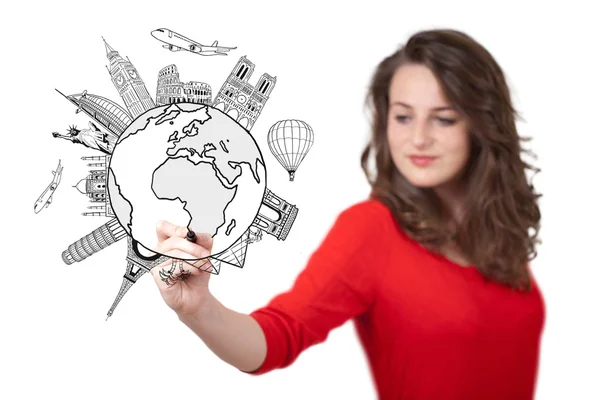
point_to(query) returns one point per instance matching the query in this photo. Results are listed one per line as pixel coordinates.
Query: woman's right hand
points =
(183, 285)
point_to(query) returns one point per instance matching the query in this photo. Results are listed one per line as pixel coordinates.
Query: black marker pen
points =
(191, 235)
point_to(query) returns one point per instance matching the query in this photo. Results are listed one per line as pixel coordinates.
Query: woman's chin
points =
(425, 182)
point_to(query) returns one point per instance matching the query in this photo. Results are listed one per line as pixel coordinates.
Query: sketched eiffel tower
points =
(137, 265)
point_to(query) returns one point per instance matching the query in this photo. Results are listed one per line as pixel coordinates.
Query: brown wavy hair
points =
(499, 230)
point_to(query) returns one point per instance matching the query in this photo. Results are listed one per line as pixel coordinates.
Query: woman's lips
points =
(422, 161)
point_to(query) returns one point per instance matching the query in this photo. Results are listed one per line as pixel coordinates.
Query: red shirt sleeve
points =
(338, 283)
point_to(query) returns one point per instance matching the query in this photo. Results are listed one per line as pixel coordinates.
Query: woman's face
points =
(421, 122)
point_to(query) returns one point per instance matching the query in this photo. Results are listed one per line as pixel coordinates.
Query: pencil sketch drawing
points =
(94, 187)
(185, 143)
(128, 83)
(239, 99)
(108, 114)
(169, 89)
(289, 141)
(176, 42)
(171, 276)
(47, 195)
(236, 254)
(156, 153)
(137, 265)
(99, 239)
(275, 216)
(92, 138)
(180, 270)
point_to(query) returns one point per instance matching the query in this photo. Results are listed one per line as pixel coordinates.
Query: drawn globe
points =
(189, 164)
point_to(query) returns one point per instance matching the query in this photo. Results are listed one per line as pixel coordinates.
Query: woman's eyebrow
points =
(440, 108)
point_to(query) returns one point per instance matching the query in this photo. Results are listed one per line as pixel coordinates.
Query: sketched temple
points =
(94, 187)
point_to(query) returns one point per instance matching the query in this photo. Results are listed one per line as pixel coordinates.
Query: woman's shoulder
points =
(368, 213)
(370, 206)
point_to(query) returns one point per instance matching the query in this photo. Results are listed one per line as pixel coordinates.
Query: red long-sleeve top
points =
(431, 329)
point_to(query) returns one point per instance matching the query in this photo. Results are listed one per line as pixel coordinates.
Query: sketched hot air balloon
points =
(289, 141)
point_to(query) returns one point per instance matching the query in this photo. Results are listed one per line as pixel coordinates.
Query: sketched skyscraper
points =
(128, 82)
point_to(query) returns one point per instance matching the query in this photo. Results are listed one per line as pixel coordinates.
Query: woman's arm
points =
(340, 282)
(234, 337)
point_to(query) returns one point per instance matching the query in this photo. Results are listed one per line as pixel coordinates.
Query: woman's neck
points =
(452, 198)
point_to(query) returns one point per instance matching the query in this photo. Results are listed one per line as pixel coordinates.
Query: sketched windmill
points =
(289, 141)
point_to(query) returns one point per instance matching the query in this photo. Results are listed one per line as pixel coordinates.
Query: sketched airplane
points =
(177, 42)
(46, 197)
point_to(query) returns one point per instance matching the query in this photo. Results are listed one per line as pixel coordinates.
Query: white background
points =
(54, 338)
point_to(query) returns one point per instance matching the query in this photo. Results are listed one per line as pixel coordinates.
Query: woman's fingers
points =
(173, 270)
(174, 243)
(170, 274)
(204, 240)
(165, 230)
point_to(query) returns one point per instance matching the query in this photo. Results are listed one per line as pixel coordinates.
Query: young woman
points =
(433, 268)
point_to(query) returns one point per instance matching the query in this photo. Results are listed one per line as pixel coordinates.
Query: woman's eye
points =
(447, 121)
(444, 121)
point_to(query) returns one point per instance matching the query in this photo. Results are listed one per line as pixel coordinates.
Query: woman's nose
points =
(420, 135)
